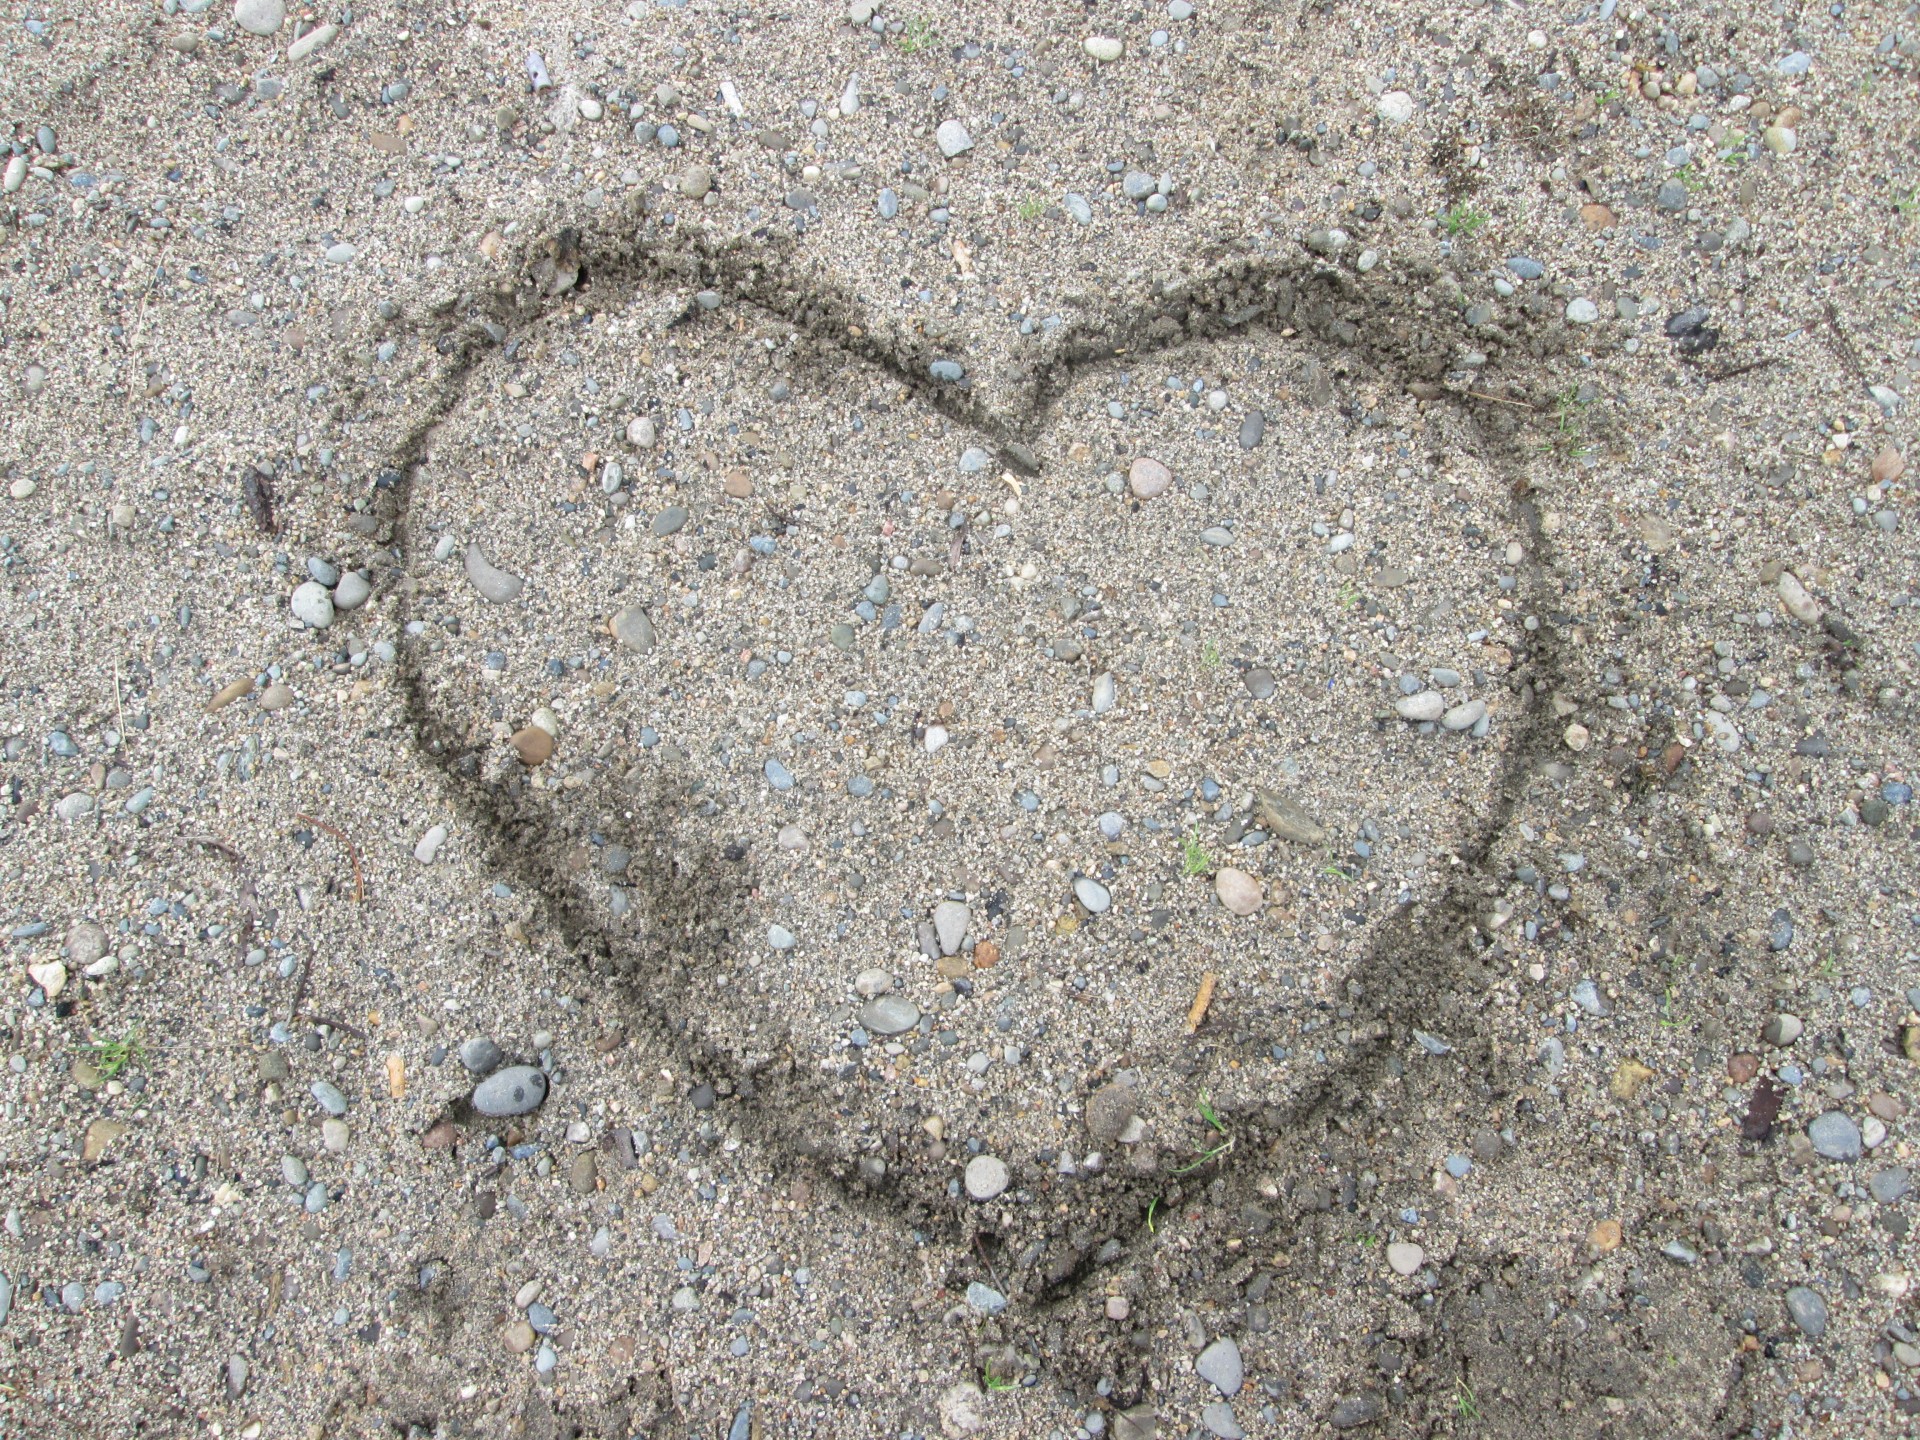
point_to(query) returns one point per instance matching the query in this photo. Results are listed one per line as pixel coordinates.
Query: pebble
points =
(260, 17)
(889, 1015)
(1891, 1185)
(1253, 430)
(1238, 891)
(317, 38)
(1105, 48)
(1809, 1311)
(1221, 1367)
(1396, 107)
(352, 592)
(16, 175)
(1405, 1258)
(1105, 693)
(50, 976)
(778, 775)
(430, 844)
(1835, 1136)
(1582, 311)
(533, 744)
(984, 1298)
(633, 628)
(869, 984)
(780, 938)
(1353, 1412)
(1783, 1030)
(311, 605)
(493, 583)
(328, 1097)
(1802, 606)
(1147, 477)
(1092, 894)
(952, 138)
(1219, 1420)
(1466, 716)
(480, 1055)
(950, 921)
(341, 254)
(86, 943)
(516, 1090)
(1427, 705)
(987, 1177)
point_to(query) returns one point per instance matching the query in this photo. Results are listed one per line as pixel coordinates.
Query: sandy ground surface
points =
(1013, 720)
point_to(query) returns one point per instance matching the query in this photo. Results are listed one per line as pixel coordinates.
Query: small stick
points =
(1201, 1001)
(119, 711)
(1847, 352)
(219, 846)
(333, 1024)
(359, 882)
(1502, 400)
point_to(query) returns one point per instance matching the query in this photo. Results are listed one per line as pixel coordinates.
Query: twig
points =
(119, 712)
(249, 896)
(1503, 400)
(359, 881)
(1201, 1001)
(217, 845)
(1715, 376)
(333, 1024)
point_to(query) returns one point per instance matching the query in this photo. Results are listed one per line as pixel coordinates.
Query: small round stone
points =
(1238, 891)
(352, 592)
(312, 606)
(1405, 1258)
(889, 1015)
(1396, 107)
(1147, 477)
(987, 1177)
(1092, 894)
(260, 17)
(1105, 48)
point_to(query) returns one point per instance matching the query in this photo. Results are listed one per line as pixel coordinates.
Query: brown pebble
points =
(1605, 1237)
(584, 1175)
(1673, 757)
(1596, 216)
(1759, 822)
(518, 1337)
(1887, 1107)
(986, 955)
(1742, 1066)
(230, 692)
(534, 745)
(737, 484)
(100, 1134)
(1888, 465)
(440, 1136)
(611, 1041)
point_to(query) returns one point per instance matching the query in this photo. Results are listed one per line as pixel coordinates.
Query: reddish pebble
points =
(1148, 478)
(1742, 1066)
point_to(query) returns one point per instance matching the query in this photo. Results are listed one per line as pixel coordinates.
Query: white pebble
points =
(1396, 107)
(430, 844)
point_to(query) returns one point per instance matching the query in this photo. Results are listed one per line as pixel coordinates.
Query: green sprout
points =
(1194, 859)
(1908, 203)
(918, 35)
(1466, 1402)
(1031, 208)
(1334, 872)
(1462, 220)
(110, 1057)
(1152, 1206)
(1212, 1117)
(1569, 422)
(1210, 655)
(998, 1382)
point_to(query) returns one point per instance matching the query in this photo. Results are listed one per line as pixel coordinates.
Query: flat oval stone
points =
(1238, 891)
(1464, 717)
(1092, 894)
(871, 983)
(1147, 477)
(1281, 815)
(1253, 430)
(1427, 705)
(516, 1090)
(889, 1015)
(352, 592)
